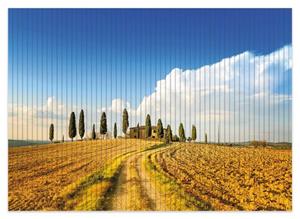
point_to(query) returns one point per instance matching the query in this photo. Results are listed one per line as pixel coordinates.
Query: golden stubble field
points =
(231, 178)
(128, 174)
(38, 174)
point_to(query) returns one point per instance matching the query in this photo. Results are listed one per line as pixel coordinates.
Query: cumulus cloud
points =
(32, 122)
(238, 97)
(117, 105)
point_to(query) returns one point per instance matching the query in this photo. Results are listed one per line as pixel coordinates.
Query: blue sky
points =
(87, 58)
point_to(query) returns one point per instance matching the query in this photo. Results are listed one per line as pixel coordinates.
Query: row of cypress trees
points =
(81, 127)
(168, 136)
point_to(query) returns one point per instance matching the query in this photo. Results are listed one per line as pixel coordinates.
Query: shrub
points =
(175, 138)
(258, 143)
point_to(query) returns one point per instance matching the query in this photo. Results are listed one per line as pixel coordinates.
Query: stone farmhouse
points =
(139, 132)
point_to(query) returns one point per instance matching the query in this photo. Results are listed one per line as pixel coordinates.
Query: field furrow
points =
(232, 178)
(39, 174)
(140, 175)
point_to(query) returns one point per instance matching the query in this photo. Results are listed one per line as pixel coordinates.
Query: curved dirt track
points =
(138, 175)
(129, 192)
(39, 174)
(137, 188)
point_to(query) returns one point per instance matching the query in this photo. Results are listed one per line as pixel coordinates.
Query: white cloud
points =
(32, 122)
(238, 96)
(117, 105)
(230, 94)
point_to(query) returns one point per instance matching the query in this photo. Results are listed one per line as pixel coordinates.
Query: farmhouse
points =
(139, 132)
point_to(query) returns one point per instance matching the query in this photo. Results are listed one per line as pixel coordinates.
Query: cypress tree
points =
(148, 128)
(160, 129)
(168, 134)
(94, 132)
(205, 138)
(103, 124)
(115, 130)
(81, 124)
(181, 133)
(194, 133)
(138, 130)
(51, 132)
(72, 126)
(125, 121)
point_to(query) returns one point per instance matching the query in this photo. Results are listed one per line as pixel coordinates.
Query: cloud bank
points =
(243, 97)
(239, 98)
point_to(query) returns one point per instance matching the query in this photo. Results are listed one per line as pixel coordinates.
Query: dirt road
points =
(93, 175)
(138, 188)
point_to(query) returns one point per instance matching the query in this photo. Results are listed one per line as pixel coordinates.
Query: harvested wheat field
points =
(230, 178)
(128, 174)
(38, 175)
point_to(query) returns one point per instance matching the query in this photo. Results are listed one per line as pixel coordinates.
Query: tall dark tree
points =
(103, 124)
(94, 132)
(72, 126)
(51, 132)
(169, 131)
(148, 128)
(181, 133)
(138, 130)
(168, 134)
(81, 128)
(115, 130)
(194, 133)
(205, 138)
(160, 129)
(125, 121)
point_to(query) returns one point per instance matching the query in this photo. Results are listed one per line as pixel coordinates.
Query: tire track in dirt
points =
(138, 189)
(129, 193)
(151, 188)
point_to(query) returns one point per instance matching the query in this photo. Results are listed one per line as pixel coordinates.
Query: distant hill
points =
(17, 143)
